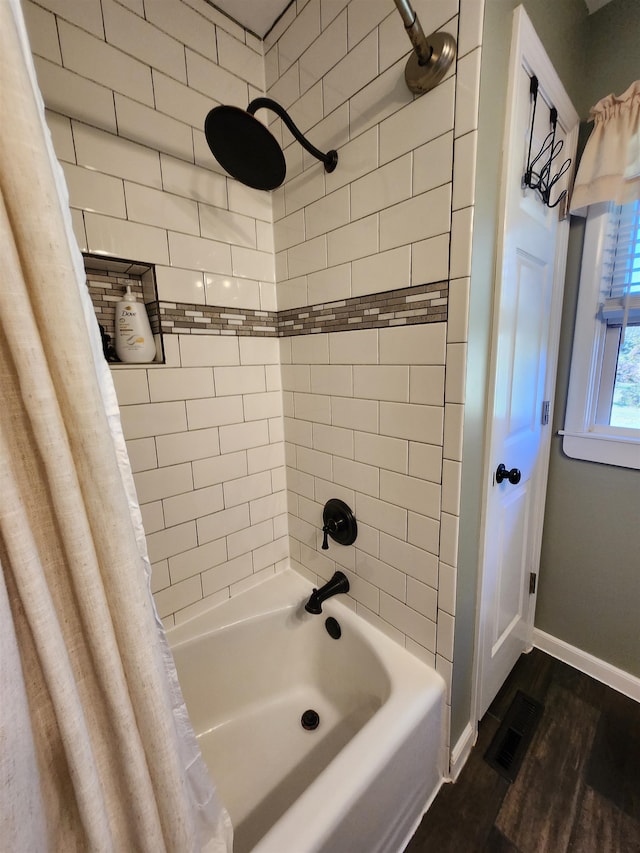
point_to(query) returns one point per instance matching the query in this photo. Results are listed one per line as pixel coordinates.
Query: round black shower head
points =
(245, 148)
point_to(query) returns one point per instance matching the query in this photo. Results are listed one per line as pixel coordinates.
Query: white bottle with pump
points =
(134, 339)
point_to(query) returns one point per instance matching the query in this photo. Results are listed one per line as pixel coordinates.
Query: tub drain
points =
(310, 720)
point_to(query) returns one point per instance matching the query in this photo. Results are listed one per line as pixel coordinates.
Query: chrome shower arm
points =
(431, 58)
(329, 159)
(415, 32)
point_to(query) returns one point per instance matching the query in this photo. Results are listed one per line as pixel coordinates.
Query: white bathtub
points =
(361, 780)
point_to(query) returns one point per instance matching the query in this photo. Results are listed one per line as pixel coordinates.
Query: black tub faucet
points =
(338, 583)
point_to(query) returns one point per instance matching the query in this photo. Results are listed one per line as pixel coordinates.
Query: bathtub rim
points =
(287, 590)
(260, 599)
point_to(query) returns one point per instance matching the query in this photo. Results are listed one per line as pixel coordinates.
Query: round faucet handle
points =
(339, 523)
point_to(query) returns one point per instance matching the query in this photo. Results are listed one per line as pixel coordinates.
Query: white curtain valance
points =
(610, 166)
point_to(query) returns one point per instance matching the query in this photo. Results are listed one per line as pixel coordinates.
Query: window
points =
(603, 407)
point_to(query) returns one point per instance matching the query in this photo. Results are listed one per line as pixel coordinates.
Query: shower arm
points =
(330, 159)
(415, 32)
(431, 58)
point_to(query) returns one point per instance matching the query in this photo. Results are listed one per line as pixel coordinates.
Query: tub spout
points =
(338, 583)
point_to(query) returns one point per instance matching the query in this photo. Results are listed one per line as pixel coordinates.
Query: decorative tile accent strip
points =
(153, 311)
(183, 318)
(425, 303)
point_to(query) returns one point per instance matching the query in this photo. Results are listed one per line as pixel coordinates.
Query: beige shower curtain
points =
(96, 749)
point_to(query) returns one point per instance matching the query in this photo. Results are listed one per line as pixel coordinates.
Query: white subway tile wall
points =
(373, 416)
(127, 87)
(208, 472)
(138, 86)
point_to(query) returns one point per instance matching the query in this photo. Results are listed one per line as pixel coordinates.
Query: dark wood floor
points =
(577, 790)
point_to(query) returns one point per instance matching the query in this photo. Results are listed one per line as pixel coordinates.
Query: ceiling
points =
(255, 15)
(594, 5)
(260, 15)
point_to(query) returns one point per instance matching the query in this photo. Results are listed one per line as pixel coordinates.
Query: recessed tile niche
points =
(107, 279)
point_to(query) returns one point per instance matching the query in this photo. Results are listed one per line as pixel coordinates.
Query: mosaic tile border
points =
(184, 318)
(426, 303)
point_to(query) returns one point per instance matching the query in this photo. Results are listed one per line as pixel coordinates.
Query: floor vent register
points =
(511, 741)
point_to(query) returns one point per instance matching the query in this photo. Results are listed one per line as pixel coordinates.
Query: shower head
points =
(248, 151)
(245, 148)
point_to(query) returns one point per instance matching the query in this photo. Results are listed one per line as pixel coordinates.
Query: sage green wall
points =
(614, 54)
(562, 27)
(589, 594)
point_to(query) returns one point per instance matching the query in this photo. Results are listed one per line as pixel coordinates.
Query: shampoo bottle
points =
(134, 340)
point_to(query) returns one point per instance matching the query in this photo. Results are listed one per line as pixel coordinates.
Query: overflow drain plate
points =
(310, 720)
(333, 628)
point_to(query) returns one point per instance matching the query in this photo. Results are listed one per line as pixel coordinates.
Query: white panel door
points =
(528, 294)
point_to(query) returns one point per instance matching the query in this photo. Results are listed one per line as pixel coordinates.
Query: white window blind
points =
(607, 260)
(621, 267)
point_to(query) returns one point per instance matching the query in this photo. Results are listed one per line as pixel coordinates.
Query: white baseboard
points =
(602, 671)
(461, 751)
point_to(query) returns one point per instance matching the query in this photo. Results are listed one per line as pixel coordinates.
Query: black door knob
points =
(513, 476)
